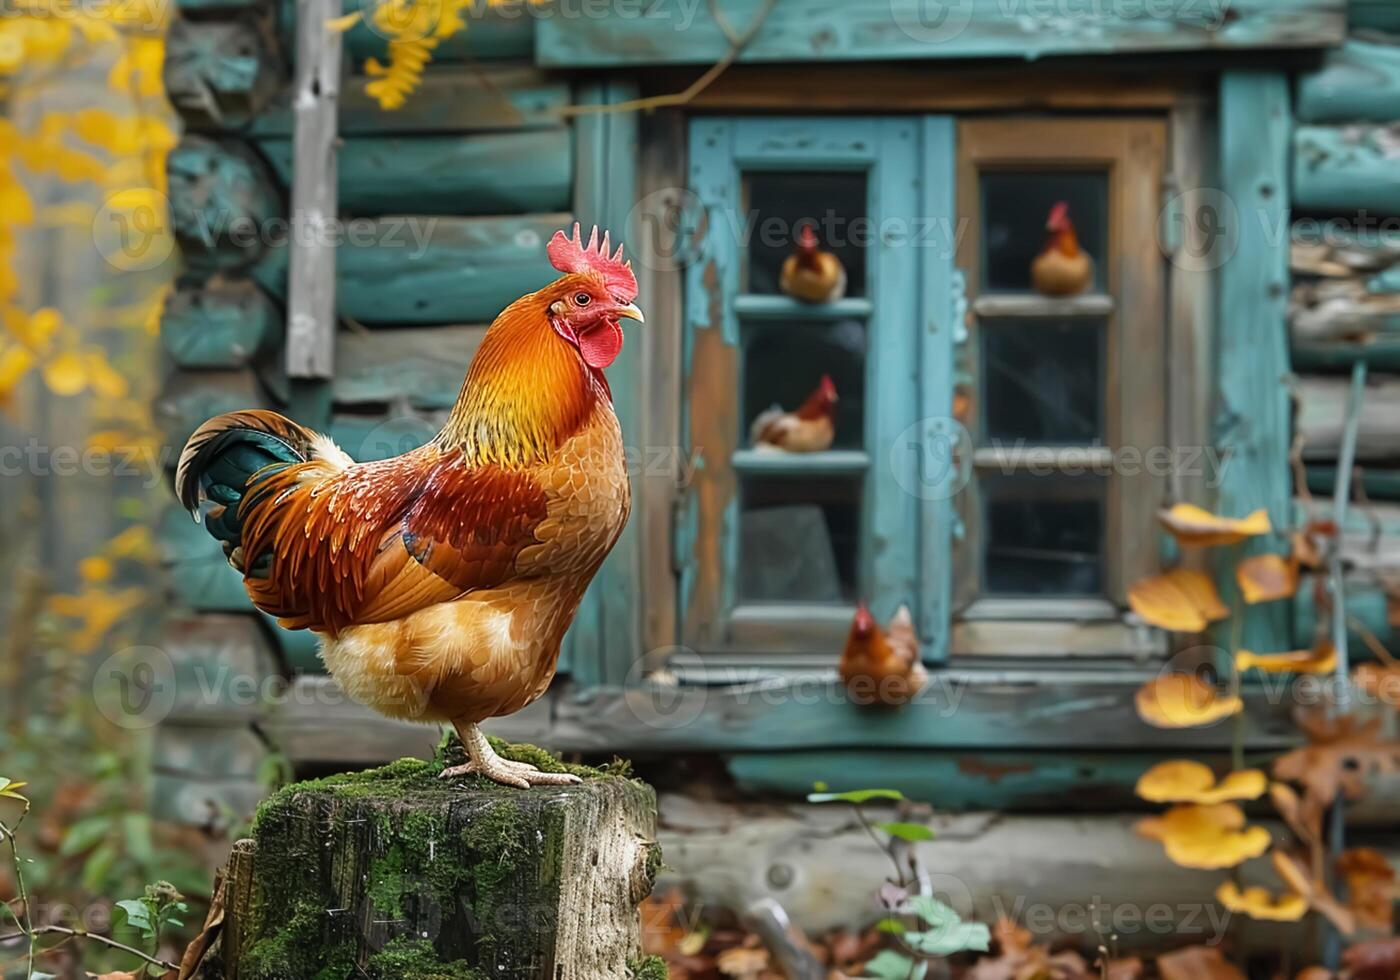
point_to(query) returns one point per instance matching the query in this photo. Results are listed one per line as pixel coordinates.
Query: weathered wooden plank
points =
(487, 173)
(1335, 251)
(1380, 484)
(493, 32)
(1347, 168)
(220, 74)
(310, 343)
(219, 323)
(1322, 414)
(1333, 322)
(881, 30)
(1358, 81)
(1367, 605)
(216, 805)
(224, 669)
(421, 367)
(222, 203)
(1252, 414)
(431, 270)
(217, 750)
(451, 99)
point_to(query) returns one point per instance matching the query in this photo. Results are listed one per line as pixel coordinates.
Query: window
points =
(1062, 395)
(780, 546)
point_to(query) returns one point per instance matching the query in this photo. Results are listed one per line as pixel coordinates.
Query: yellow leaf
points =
(64, 374)
(1183, 701)
(15, 363)
(1188, 781)
(1192, 525)
(1183, 600)
(41, 326)
(1323, 660)
(1206, 836)
(342, 24)
(1265, 578)
(95, 568)
(105, 379)
(1259, 903)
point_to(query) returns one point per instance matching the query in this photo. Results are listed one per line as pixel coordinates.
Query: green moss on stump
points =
(647, 968)
(425, 879)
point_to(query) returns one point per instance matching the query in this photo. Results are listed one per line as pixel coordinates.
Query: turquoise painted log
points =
(1346, 169)
(405, 271)
(452, 99)
(370, 437)
(1375, 15)
(1359, 81)
(1378, 484)
(220, 74)
(878, 30)
(223, 203)
(489, 173)
(492, 33)
(220, 323)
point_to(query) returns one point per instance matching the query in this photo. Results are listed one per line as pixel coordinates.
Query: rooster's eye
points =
(583, 299)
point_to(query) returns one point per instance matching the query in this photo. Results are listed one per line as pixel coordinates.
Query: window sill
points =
(1057, 639)
(1030, 306)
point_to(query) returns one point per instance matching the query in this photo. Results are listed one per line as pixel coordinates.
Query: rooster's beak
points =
(630, 312)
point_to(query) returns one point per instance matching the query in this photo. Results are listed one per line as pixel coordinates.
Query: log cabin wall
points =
(457, 192)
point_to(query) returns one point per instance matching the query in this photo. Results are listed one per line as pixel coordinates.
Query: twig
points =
(737, 44)
(95, 937)
(1372, 642)
(898, 871)
(27, 925)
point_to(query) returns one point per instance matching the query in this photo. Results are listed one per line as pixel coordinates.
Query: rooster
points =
(810, 274)
(440, 582)
(1063, 268)
(882, 666)
(810, 429)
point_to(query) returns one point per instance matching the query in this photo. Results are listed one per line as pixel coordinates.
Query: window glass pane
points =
(1015, 206)
(779, 203)
(1042, 381)
(1042, 536)
(784, 363)
(798, 538)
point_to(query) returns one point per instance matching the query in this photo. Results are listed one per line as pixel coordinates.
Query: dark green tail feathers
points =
(225, 456)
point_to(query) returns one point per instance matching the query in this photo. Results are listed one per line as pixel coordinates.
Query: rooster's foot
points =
(485, 762)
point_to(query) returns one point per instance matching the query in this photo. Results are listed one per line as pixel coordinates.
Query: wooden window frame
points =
(1133, 152)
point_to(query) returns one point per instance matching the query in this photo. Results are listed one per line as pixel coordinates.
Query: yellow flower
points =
(1259, 903)
(1183, 701)
(1206, 836)
(64, 374)
(1187, 781)
(1194, 525)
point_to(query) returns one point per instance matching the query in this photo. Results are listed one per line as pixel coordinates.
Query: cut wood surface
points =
(486, 173)
(220, 74)
(222, 322)
(222, 200)
(395, 873)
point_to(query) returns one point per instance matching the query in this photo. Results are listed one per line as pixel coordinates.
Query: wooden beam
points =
(310, 345)
(220, 74)
(1346, 169)
(223, 201)
(1251, 394)
(1359, 81)
(1322, 415)
(485, 173)
(881, 30)
(221, 322)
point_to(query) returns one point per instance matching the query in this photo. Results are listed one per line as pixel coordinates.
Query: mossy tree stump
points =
(395, 874)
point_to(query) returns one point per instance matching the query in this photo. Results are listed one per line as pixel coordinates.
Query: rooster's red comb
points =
(571, 255)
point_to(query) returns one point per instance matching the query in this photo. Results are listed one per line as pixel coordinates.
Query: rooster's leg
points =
(485, 762)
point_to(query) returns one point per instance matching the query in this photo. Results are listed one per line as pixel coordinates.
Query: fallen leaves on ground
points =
(1370, 887)
(1375, 959)
(1197, 963)
(1188, 781)
(1183, 601)
(1183, 701)
(1206, 836)
(1196, 526)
